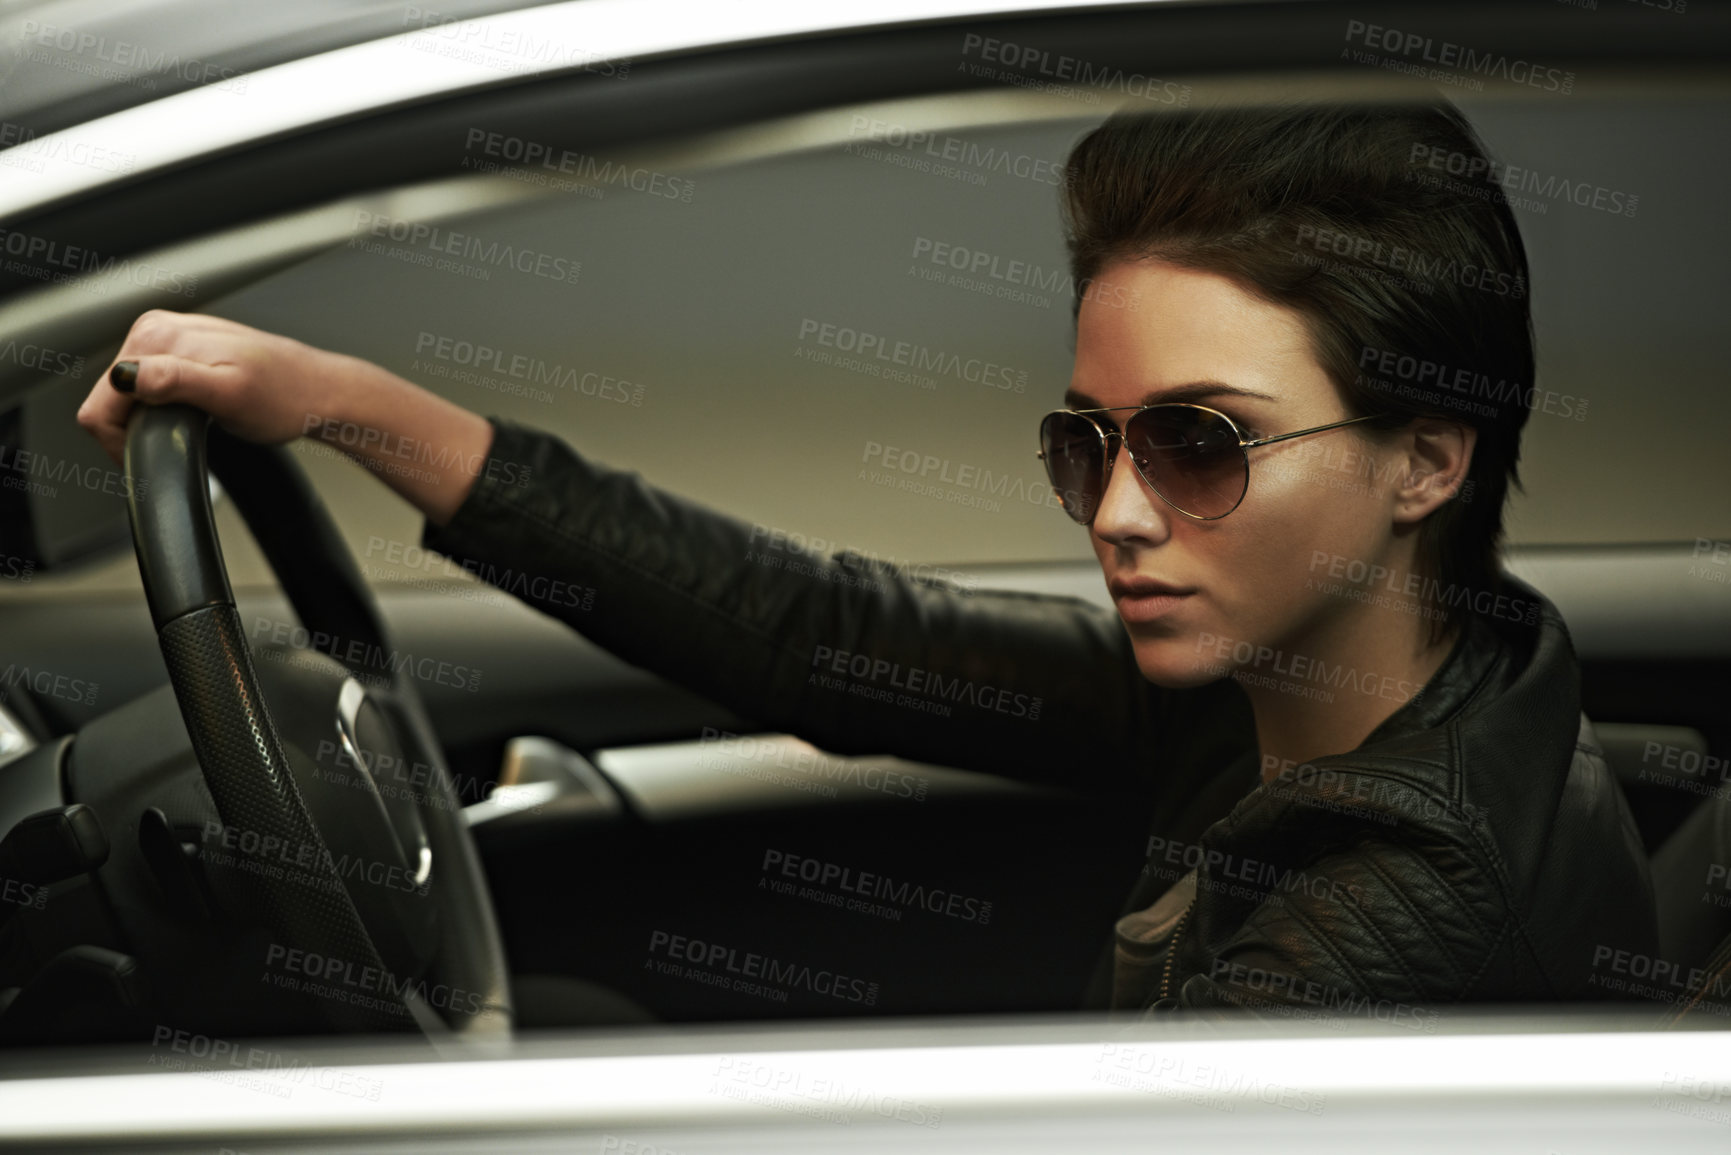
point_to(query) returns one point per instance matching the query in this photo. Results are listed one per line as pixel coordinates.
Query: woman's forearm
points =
(270, 389)
(426, 448)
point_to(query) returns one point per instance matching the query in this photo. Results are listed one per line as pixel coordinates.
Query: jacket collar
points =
(1475, 652)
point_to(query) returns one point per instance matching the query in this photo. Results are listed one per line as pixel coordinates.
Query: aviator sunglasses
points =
(1194, 457)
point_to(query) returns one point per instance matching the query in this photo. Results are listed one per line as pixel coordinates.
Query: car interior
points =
(700, 261)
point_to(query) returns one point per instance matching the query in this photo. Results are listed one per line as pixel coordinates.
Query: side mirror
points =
(62, 501)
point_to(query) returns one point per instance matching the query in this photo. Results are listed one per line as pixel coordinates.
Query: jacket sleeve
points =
(853, 657)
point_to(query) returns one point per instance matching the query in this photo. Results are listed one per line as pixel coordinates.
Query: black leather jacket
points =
(1474, 848)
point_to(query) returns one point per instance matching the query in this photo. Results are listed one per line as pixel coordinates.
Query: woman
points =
(1303, 363)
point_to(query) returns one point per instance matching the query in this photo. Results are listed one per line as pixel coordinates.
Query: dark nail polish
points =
(124, 376)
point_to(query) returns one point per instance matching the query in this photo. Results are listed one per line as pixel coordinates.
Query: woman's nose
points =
(1130, 510)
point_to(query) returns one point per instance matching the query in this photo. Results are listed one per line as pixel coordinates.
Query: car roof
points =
(361, 67)
(148, 49)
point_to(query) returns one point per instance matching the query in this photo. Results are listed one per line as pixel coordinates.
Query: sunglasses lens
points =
(1191, 457)
(1075, 462)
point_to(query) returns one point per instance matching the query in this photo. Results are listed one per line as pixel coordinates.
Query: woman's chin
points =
(1177, 663)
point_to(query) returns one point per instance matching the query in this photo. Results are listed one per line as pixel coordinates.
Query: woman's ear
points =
(1437, 452)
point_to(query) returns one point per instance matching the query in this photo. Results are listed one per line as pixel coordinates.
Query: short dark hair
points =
(1378, 225)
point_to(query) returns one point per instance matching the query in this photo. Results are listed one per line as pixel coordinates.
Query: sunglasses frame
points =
(1244, 447)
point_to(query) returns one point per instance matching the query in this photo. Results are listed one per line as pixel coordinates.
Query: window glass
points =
(856, 342)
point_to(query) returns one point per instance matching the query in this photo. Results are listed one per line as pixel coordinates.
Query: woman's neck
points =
(1343, 685)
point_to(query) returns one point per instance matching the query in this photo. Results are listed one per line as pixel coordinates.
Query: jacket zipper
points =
(1172, 950)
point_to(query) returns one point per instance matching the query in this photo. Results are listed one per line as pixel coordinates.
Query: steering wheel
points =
(267, 872)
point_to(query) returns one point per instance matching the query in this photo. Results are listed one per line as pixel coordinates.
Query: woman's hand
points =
(259, 386)
(270, 389)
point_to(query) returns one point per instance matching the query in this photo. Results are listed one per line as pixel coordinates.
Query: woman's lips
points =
(1148, 607)
(1145, 599)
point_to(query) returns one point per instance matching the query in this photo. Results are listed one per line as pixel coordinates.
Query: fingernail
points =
(124, 376)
